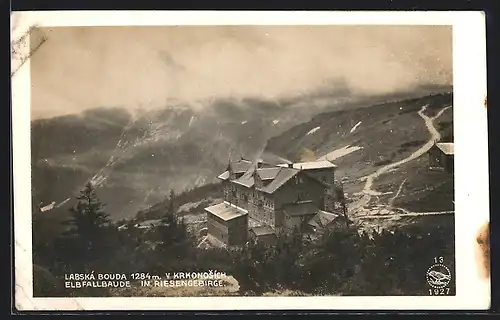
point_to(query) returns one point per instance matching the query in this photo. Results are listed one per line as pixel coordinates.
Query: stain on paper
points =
(483, 241)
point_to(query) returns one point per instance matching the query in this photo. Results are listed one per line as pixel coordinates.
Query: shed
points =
(441, 157)
(227, 223)
(263, 235)
(326, 220)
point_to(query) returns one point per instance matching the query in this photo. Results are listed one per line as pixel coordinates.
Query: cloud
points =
(79, 68)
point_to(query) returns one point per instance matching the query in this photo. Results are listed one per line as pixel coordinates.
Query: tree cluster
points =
(340, 262)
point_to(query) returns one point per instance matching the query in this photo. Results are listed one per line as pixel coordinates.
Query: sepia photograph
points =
(293, 160)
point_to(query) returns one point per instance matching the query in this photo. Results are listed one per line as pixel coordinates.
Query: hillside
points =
(386, 143)
(369, 138)
(380, 151)
(135, 159)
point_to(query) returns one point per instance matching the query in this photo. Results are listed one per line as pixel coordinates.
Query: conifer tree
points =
(175, 245)
(88, 229)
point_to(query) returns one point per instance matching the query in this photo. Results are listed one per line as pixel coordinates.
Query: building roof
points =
(281, 178)
(268, 173)
(252, 223)
(226, 211)
(262, 231)
(302, 208)
(224, 175)
(274, 177)
(241, 166)
(310, 165)
(278, 177)
(322, 219)
(446, 147)
(247, 178)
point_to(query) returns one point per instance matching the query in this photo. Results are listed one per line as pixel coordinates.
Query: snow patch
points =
(313, 131)
(355, 127)
(62, 203)
(275, 121)
(191, 121)
(243, 122)
(48, 207)
(339, 153)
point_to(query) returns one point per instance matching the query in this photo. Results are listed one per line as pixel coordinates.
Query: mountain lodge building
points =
(261, 200)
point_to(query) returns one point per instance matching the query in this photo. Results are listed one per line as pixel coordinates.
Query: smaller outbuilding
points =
(441, 157)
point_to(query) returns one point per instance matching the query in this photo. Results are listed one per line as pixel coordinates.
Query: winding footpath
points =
(368, 190)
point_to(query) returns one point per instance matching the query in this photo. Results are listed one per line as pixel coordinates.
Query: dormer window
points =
(301, 196)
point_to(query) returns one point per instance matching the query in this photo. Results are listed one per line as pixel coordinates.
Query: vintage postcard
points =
(250, 160)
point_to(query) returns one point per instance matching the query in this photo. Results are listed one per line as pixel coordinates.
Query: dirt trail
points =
(368, 190)
(435, 136)
(391, 201)
(409, 214)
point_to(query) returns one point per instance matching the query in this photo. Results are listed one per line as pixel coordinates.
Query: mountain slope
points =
(135, 160)
(361, 141)
(365, 141)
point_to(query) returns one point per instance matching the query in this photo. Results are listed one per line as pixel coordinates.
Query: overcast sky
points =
(79, 68)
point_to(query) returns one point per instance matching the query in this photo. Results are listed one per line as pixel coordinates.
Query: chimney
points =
(257, 180)
(230, 170)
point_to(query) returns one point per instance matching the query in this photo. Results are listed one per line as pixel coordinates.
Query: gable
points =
(447, 148)
(274, 178)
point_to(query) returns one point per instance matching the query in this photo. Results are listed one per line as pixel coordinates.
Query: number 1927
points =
(439, 292)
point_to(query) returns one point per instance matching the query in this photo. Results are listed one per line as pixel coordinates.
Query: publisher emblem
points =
(438, 276)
